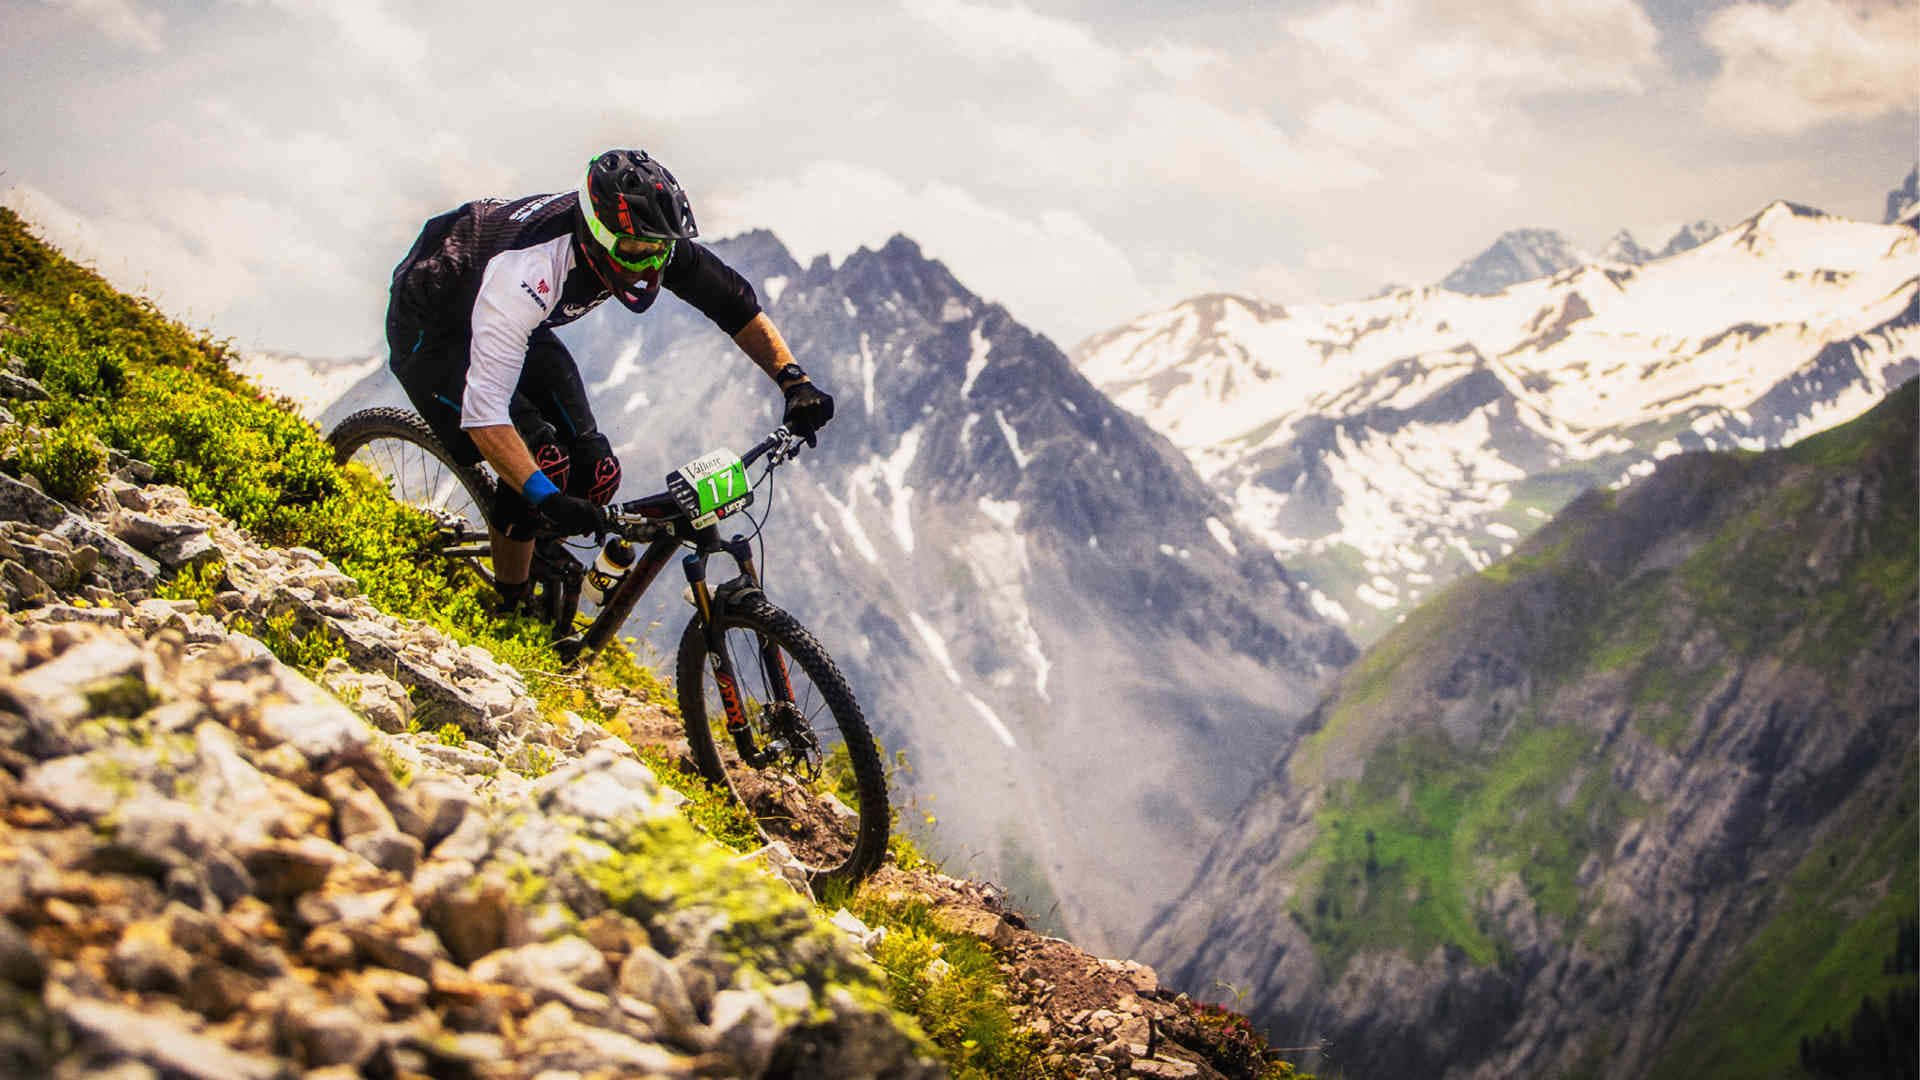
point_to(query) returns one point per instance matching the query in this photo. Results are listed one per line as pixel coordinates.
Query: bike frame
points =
(658, 521)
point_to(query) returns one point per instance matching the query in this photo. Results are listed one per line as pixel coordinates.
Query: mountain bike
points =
(782, 702)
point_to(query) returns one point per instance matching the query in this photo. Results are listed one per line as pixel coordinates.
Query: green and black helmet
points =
(633, 210)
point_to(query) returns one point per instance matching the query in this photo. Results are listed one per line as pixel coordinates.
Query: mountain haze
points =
(1637, 801)
(1084, 657)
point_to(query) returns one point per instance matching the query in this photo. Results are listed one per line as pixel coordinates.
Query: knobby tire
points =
(369, 427)
(694, 677)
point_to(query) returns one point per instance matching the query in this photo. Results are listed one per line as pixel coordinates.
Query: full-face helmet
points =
(632, 210)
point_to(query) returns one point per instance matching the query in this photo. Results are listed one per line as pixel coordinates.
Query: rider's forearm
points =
(503, 448)
(762, 343)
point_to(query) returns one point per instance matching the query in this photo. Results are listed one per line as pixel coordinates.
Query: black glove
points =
(808, 409)
(574, 515)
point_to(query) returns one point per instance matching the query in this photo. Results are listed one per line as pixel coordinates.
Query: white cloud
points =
(1220, 149)
(188, 279)
(1177, 147)
(374, 31)
(1180, 62)
(1048, 266)
(1067, 50)
(1786, 69)
(314, 137)
(1407, 71)
(369, 29)
(122, 20)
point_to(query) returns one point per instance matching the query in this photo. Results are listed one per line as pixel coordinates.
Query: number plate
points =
(710, 487)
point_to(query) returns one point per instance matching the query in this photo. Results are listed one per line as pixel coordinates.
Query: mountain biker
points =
(470, 323)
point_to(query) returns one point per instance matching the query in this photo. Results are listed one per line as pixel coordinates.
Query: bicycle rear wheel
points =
(798, 712)
(399, 447)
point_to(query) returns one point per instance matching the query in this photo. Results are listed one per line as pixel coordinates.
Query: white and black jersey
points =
(482, 279)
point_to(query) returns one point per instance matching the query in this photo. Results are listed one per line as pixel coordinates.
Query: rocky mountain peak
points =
(1623, 248)
(1587, 804)
(1903, 198)
(1688, 237)
(1518, 255)
(1030, 584)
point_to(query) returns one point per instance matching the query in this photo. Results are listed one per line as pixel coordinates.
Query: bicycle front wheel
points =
(801, 734)
(400, 448)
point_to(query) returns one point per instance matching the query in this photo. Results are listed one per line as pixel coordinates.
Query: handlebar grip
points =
(779, 436)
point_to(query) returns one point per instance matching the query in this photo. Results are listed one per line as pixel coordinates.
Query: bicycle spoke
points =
(417, 478)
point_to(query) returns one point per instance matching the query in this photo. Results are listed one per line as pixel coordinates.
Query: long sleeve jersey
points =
(493, 271)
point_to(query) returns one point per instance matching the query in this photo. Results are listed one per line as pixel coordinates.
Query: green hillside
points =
(1512, 728)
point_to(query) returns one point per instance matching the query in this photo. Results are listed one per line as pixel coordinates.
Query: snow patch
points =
(867, 368)
(993, 721)
(1328, 607)
(1369, 595)
(773, 287)
(999, 565)
(1222, 536)
(1013, 439)
(936, 645)
(625, 366)
(850, 526)
(1005, 512)
(977, 361)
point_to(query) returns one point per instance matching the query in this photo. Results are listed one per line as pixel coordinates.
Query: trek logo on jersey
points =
(532, 208)
(535, 296)
(541, 288)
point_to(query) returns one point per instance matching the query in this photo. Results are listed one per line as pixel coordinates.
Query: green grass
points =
(1818, 954)
(1386, 846)
(953, 985)
(1409, 854)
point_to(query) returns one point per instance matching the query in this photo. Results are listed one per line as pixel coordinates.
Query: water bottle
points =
(615, 559)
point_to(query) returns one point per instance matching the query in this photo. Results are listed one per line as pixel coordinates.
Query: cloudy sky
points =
(257, 166)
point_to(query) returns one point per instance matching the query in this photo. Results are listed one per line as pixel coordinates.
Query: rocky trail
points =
(214, 866)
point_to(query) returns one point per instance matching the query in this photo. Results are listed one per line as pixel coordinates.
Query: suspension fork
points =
(725, 678)
(772, 660)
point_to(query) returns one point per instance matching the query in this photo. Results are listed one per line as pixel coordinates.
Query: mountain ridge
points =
(1577, 811)
(1788, 322)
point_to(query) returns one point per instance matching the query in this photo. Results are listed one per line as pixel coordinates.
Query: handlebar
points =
(783, 444)
(779, 447)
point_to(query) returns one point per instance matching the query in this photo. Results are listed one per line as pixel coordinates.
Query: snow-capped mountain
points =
(1087, 661)
(1385, 446)
(1688, 237)
(1519, 255)
(1623, 248)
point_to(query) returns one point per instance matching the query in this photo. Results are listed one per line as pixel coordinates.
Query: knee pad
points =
(597, 478)
(553, 460)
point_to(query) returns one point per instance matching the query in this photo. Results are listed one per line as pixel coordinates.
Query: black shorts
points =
(549, 409)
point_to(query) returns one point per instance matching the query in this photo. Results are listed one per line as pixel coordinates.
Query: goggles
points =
(636, 253)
